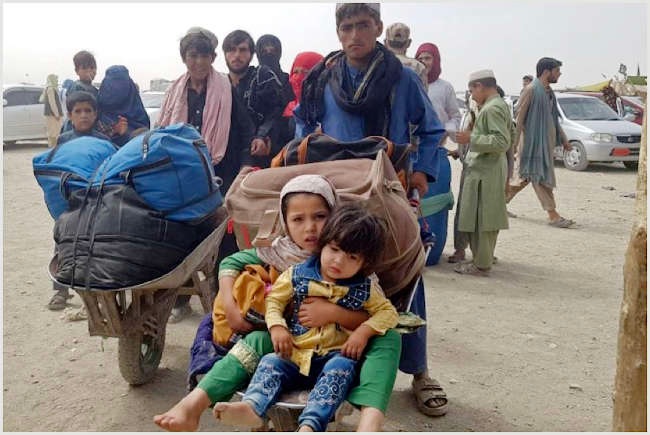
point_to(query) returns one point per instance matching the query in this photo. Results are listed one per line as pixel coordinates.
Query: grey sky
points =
(590, 38)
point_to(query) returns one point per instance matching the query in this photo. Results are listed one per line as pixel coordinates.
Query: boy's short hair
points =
(199, 39)
(547, 63)
(236, 37)
(347, 10)
(84, 59)
(527, 77)
(356, 231)
(80, 97)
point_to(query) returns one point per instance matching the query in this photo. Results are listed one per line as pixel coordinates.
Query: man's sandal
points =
(471, 269)
(562, 223)
(59, 301)
(426, 390)
(456, 257)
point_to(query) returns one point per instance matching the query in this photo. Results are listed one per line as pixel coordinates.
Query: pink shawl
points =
(216, 114)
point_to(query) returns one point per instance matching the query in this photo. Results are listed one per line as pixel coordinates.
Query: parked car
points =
(152, 101)
(22, 114)
(630, 108)
(596, 133)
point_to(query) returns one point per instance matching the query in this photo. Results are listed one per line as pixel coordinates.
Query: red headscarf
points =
(306, 60)
(430, 48)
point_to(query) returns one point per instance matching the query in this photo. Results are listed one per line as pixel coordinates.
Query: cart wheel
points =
(139, 356)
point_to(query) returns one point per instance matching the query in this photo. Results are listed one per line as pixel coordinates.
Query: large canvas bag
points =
(253, 199)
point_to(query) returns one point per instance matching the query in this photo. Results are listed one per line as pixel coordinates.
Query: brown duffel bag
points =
(253, 201)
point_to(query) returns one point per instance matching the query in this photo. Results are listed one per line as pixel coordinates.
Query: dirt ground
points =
(532, 348)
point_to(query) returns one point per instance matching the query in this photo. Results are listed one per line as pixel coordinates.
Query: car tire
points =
(576, 158)
(631, 165)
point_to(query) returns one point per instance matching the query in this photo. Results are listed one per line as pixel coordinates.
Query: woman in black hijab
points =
(269, 51)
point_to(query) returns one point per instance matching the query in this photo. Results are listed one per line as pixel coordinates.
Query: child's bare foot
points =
(305, 428)
(185, 415)
(237, 414)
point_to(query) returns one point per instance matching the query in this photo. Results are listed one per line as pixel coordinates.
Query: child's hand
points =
(315, 312)
(282, 340)
(357, 341)
(236, 321)
(120, 126)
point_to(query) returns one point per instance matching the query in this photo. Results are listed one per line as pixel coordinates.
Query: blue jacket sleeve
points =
(428, 129)
(302, 129)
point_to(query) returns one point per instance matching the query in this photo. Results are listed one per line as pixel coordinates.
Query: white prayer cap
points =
(482, 74)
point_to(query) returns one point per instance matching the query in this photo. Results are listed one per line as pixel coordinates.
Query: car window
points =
(32, 96)
(15, 97)
(152, 100)
(586, 109)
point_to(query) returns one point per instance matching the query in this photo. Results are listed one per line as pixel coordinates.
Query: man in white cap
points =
(398, 40)
(483, 205)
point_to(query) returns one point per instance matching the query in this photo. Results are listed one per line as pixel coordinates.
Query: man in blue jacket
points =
(363, 90)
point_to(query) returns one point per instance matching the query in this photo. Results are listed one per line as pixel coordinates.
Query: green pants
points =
(376, 380)
(482, 244)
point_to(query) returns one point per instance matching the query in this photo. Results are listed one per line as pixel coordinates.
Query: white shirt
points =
(443, 98)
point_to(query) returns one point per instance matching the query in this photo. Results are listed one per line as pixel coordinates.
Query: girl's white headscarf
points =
(284, 252)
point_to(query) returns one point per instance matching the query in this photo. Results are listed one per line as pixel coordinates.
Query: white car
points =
(152, 100)
(596, 133)
(22, 114)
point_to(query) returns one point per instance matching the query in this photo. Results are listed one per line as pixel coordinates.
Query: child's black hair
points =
(84, 59)
(356, 231)
(197, 41)
(80, 97)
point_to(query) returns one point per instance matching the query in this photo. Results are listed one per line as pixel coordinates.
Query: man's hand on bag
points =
(259, 147)
(463, 137)
(419, 182)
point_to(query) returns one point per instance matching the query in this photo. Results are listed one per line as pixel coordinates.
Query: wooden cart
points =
(138, 315)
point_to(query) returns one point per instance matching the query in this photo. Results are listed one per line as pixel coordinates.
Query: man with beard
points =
(363, 90)
(537, 122)
(262, 92)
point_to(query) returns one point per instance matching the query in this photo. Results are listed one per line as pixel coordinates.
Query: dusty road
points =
(530, 349)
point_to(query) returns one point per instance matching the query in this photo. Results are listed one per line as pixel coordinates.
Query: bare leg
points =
(305, 428)
(371, 420)
(185, 415)
(239, 414)
(553, 215)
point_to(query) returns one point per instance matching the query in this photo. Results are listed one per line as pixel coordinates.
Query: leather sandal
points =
(426, 389)
(59, 300)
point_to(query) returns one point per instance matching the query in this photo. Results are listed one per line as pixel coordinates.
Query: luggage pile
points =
(126, 216)
(252, 201)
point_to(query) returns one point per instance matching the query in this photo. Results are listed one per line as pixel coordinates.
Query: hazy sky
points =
(590, 38)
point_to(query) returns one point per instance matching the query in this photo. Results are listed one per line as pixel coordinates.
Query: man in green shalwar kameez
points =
(483, 205)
